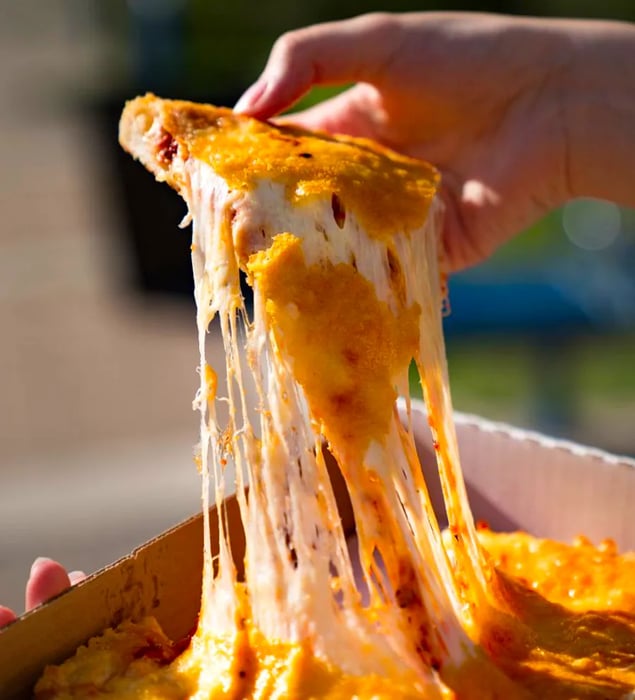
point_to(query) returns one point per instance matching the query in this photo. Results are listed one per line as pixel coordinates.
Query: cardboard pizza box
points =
(515, 480)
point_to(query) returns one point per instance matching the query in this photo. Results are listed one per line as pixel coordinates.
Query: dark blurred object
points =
(157, 42)
(158, 251)
(157, 35)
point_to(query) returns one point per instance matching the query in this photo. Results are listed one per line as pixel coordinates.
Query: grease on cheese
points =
(548, 642)
(580, 576)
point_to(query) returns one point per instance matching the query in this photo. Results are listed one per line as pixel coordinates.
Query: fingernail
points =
(38, 562)
(76, 576)
(250, 98)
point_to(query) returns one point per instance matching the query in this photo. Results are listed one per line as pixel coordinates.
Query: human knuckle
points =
(377, 21)
(288, 44)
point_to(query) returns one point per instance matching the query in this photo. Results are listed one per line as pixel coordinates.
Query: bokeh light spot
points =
(591, 224)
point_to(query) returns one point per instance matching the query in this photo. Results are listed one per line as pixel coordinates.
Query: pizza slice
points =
(338, 238)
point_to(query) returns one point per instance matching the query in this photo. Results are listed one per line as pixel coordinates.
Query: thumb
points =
(332, 53)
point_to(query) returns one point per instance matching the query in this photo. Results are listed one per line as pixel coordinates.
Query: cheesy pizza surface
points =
(338, 239)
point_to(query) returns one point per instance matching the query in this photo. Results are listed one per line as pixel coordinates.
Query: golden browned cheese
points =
(257, 669)
(122, 663)
(348, 377)
(581, 576)
(386, 190)
(568, 630)
(551, 643)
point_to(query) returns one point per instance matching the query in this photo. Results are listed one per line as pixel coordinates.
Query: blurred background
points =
(98, 351)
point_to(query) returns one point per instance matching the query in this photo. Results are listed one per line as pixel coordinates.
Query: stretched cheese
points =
(338, 238)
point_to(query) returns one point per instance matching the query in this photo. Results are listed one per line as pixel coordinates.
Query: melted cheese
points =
(378, 185)
(348, 377)
(580, 576)
(325, 353)
(339, 241)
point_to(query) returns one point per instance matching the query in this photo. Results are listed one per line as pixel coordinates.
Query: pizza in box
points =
(339, 240)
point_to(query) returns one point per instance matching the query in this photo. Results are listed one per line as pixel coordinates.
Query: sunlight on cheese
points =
(345, 346)
(579, 576)
(338, 239)
(377, 184)
(334, 329)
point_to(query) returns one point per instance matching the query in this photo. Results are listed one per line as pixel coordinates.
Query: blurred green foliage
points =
(225, 43)
(229, 41)
(591, 382)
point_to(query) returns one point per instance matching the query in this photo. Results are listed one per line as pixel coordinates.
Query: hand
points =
(46, 580)
(497, 103)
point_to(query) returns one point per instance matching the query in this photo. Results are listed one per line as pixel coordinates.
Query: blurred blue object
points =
(157, 42)
(575, 293)
(551, 302)
(523, 304)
